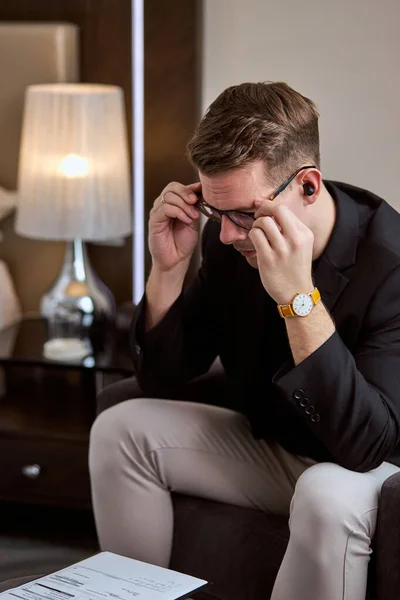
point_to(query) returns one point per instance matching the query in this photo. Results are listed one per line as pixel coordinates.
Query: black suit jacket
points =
(342, 403)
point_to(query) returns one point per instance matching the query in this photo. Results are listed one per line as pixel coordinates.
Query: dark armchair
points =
(240, 549)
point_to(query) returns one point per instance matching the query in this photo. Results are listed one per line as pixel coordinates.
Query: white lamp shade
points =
(74, 176)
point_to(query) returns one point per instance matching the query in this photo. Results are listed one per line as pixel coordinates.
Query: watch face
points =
(302, 305)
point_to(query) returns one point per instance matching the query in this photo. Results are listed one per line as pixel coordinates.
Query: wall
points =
(343, 54)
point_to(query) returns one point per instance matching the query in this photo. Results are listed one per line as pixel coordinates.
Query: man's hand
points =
(174, 226)
(173, 236)
(284, 248)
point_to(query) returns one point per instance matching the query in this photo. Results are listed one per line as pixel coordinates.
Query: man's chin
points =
(250, 256)
(252, 260)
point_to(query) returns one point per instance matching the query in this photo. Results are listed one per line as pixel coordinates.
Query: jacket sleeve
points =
(351, 401)
(183, 345)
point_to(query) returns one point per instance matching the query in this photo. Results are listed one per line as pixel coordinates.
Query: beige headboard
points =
(29, 53)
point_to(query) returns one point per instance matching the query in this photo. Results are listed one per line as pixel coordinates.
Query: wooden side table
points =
(46, 411)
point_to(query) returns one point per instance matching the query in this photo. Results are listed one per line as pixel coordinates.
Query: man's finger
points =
(188, 193)
(272, 232)
(173, 198)
(174, 212)
(260, 241)
(195, 187)
(283, 216)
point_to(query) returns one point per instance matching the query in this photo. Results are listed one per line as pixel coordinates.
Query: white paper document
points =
(108, 576)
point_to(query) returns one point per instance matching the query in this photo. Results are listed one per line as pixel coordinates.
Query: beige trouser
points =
(143, 449)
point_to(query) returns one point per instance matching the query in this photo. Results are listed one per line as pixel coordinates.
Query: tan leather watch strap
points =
(286, 310)
(315, 295)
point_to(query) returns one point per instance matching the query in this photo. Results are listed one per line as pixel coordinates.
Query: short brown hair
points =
(257, 121)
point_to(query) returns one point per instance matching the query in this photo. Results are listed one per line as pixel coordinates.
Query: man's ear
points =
(311, 181)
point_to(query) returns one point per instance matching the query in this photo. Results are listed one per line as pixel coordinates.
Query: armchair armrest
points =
(387, 543)
(210, 388)
(125, 389)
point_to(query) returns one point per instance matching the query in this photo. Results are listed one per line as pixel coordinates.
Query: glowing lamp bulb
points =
(73, 166)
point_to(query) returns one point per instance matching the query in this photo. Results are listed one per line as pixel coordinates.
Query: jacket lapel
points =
(340, 253)
(330, 282)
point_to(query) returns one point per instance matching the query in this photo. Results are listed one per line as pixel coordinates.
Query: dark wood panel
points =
(105, 27)
(172, 74)
(63, 476)
(105, 36)
(172, 88)
(105, 57)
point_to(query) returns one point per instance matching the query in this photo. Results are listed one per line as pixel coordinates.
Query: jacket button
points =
(310, 409)
(299, 394)
(315, 418)
(304, 402)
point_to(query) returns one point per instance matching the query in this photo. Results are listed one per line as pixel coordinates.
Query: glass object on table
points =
(67, 336)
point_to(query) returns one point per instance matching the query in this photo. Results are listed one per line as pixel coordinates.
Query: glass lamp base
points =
(66, 349)
(78, 289)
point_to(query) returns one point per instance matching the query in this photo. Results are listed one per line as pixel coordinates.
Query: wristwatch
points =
(301, 305)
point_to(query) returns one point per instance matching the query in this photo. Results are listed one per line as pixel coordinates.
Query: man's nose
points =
(230, 232)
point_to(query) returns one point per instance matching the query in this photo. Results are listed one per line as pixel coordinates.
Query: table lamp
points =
(74, 184)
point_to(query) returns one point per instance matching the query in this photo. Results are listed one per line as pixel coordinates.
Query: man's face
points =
(240, 189)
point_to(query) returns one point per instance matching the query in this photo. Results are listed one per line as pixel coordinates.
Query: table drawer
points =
(44, 471)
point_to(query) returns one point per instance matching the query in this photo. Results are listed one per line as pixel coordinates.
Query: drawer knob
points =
(31, 471)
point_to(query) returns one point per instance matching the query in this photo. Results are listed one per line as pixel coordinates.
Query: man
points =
(299, 295)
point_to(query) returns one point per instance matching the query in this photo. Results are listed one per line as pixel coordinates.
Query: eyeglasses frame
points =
(227, 213)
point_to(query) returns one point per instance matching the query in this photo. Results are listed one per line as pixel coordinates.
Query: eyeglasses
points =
(242, 219)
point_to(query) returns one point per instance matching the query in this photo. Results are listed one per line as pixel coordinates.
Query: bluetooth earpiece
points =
(308, 189)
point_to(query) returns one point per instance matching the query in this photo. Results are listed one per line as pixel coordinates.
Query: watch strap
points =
(315, 295)
(286, 310)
